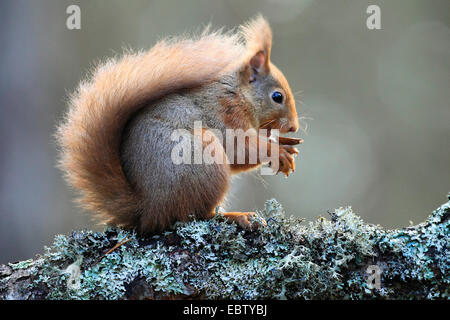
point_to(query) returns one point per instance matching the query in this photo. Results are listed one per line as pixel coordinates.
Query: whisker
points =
(300, 102)
(283, 122)
(266, 124)
(259, 177)
(304, 124)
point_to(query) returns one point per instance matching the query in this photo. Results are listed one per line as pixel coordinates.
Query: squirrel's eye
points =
(277, 97)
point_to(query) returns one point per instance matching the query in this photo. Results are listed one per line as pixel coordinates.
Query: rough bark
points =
(327, 259)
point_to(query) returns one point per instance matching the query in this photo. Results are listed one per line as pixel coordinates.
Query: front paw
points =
(286, 161)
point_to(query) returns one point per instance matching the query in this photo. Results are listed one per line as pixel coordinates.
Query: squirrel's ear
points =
(258, 40)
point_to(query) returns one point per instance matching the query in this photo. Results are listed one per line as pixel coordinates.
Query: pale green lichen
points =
(21, 264)
(326, 259)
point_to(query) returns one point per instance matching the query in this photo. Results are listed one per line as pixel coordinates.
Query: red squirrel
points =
(115, 139)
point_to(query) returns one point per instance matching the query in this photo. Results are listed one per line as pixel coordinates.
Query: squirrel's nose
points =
(293, 127)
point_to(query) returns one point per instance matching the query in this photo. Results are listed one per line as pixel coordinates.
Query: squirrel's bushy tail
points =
(89, 138)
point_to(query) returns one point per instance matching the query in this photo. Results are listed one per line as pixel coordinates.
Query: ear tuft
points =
(258, 39)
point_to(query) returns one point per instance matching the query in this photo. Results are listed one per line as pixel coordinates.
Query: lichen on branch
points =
(287, 259)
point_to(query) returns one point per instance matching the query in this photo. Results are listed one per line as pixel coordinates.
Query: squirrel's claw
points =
(246, 220)
(291, 150)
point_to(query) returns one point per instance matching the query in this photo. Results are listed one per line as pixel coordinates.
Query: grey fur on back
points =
(146, 161)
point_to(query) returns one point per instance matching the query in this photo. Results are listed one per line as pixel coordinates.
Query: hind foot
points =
(244, 219)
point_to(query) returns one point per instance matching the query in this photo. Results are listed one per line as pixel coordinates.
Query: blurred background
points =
(375, 104)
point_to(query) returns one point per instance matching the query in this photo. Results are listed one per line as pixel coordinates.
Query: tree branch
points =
(327, 259)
